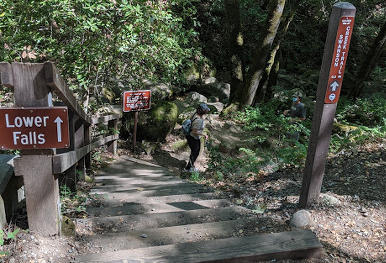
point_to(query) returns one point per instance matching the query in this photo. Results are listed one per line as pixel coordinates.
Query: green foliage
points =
(72, 201)
(195, 177)
(8, 236)
(370, 112)
(100, 44)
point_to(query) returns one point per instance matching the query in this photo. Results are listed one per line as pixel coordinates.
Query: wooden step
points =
(145, 221)
(143, 208)
(151, 190)
(120, 198)
(172, 235)
(138, 192)
(116, 182)
(299, 244)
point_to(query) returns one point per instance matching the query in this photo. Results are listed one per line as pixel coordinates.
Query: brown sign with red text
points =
(34, 128)
(136, 100)
(338, 63)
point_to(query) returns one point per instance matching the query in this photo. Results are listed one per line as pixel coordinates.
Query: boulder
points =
(158, 122)
(301, 219)
(216, 107)
(210, 80)
(216, 91)
(68, 227)
(196, 97)
(329, 200)
(159, 91)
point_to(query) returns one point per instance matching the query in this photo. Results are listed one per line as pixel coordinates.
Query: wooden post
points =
(329, 86)
(112, 146)
(69, 177)
(135, 130)
(80, 142)
(87, 140)
(41, 186)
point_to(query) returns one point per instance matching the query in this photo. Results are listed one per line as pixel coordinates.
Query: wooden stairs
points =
(143, 214)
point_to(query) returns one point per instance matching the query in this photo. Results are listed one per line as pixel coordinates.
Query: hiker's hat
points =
(203, 107)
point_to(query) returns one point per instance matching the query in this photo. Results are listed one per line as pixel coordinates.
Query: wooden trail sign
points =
(137, 100)
(34, 128)
(329, 86)
(339, 58)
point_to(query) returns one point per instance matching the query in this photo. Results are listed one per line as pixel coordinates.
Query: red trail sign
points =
(136, 100)
(34, 128)
(338, 63)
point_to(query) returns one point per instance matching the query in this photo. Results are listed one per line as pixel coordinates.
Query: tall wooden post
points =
(330, 83)
(41, 186)
(113, 145)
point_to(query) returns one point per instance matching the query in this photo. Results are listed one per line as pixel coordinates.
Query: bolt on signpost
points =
(135, 101)
(329, 86)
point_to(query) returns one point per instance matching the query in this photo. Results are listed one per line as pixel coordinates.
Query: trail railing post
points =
(41, 186)
(113, 145)
(330, 83)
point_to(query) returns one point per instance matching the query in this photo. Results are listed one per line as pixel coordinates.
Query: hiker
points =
(196, 132)
(297, 113)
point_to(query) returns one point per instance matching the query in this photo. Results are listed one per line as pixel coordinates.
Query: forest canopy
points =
(102, 46)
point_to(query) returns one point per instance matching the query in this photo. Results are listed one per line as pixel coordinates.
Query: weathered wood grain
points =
(62, 162)
(30, 87)
(104, 119)
(55, 81)
(297, 244)
(42, 193)
(6, 75)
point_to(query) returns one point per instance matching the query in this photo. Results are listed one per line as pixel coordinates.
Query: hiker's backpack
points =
(187, 126)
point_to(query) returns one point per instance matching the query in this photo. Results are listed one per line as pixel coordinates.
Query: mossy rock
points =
(159, 122)
(230, 109)
(68, 227)
(179, 145)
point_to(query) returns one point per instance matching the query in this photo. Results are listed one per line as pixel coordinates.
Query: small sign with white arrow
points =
(334, 86)
(34, 128)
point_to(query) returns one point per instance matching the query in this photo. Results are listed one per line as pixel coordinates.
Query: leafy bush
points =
(369, 112)
(101, 46)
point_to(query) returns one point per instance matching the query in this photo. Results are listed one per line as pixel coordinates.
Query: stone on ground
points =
(301, 219)
(329, 200)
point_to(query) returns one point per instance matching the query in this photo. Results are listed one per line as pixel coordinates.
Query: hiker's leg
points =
(191, 146)
(195, 151)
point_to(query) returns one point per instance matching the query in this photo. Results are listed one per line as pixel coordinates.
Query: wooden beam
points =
(6, 75)
(64, 161)
(55, 81)
(297, 244)
(104, 119)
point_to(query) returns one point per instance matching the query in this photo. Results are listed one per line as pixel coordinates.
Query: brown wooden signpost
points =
(329, 86)
(34, 128)
(136, 100)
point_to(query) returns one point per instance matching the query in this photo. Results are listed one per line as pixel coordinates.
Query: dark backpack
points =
(187, 125)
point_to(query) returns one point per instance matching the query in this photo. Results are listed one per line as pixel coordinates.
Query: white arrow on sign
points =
(334, 86)
(58, 122)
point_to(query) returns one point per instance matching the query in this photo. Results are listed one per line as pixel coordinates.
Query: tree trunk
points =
(370, 61)
(262, 52)
(234, 48)
(262, 89)
(272, 79)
